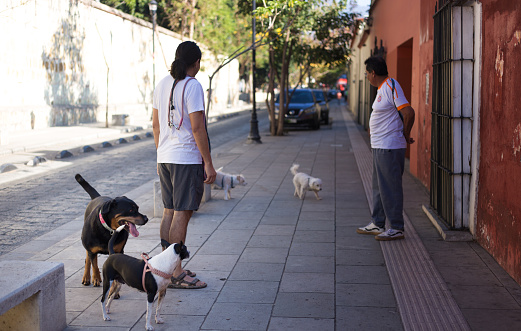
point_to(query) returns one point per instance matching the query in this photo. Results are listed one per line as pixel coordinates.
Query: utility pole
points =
(152, 6)
(254, 136)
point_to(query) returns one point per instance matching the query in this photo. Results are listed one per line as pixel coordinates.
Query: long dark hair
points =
(186, 55)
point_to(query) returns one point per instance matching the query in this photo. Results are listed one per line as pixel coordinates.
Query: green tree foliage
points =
(137, 8)
(218, 24)
(302, 35)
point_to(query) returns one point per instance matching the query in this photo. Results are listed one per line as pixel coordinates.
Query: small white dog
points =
(304, 182)
(227, 182)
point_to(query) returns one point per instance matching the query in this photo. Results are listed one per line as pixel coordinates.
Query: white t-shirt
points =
(385, 125)
(178, 146)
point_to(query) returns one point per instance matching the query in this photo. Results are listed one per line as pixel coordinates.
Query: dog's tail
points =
(294, 168)
(113, 239)
(86, 186)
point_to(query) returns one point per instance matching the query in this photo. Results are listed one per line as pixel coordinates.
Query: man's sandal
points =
(180, 282)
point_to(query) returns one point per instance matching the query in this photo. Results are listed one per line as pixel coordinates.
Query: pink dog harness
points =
(149, 268)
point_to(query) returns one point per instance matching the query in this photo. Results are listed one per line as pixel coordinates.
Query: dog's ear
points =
(178, 247)
(164, 244)
(181, 250)
(107, 206)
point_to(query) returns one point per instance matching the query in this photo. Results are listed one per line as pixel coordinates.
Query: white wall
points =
(357, 71)
(66, 61)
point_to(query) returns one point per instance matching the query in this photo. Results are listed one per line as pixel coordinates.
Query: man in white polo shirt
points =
(390, 126)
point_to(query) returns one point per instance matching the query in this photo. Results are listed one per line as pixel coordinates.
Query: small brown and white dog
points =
(304, 182)
(227, 182)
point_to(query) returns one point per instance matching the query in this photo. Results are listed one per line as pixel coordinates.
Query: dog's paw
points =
(149, 328)
(96, 282)
(85, 282)
(106, 318)
(159, 320)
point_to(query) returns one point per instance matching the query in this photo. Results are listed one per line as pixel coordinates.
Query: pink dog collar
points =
(105, 224)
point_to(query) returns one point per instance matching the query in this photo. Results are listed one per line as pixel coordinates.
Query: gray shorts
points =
(181, 185)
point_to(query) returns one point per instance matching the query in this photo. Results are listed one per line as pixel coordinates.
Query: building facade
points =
(457, 62)
(69, 62)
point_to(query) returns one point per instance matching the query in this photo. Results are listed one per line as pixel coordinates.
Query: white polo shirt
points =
(385, 125)
(178, 146)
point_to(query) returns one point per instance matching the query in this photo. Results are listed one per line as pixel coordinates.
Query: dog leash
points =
(171, 105)
(105, 224)
(149, 268)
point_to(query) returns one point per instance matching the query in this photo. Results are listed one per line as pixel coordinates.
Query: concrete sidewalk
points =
(274, 262)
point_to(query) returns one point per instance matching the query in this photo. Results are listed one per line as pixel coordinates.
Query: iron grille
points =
(441, 194)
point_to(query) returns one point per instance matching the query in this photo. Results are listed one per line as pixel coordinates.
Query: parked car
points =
(303, 109)
(321, 98)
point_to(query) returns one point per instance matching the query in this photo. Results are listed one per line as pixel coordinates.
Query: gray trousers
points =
(388, 167)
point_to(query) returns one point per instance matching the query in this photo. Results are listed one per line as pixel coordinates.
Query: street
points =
(33, 206)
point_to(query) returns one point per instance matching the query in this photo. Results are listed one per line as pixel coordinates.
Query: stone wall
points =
(66, 62)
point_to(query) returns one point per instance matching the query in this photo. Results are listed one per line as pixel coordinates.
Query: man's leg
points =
(177, 234)
(177, 231)
(378, 214)
(166, 224)
(390, 169)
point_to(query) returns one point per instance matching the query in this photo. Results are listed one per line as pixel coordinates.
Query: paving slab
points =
(275, 262)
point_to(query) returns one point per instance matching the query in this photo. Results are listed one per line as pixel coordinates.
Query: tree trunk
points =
(192, 20)
(283, 86)
(270, 97)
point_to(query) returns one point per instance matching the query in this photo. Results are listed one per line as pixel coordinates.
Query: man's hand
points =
(210, 173)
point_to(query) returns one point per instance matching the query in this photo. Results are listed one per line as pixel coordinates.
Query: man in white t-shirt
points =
(390, 126)
(184, 162)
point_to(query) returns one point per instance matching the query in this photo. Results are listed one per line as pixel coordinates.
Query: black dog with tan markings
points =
(102, 217)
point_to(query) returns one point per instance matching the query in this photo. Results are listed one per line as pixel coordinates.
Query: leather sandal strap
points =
(178, 278)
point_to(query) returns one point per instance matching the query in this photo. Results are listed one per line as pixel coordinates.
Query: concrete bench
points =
(32, 295)
(158, 201)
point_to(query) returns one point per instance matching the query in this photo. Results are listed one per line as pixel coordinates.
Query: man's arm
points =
(408, 122)
(155, 126)
(155, 129)
(201, 139)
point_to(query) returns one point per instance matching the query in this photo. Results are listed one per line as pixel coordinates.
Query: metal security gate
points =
(452, 112)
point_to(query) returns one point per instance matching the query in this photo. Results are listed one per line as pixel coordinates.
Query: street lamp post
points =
(254, 136)
(152, 6)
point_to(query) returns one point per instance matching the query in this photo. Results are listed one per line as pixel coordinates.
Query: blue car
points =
(303, 109)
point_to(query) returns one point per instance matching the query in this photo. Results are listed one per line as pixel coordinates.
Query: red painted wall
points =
(499, 205)
(423, 112)
(397, 23)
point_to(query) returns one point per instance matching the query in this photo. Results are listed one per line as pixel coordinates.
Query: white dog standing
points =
(304, 182)
(227, 182)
